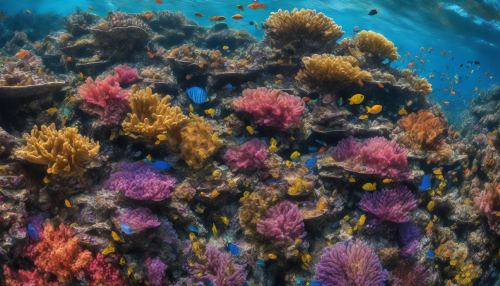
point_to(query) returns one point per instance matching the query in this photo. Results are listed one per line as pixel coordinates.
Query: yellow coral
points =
(198, 142)
(326, 70)
(151, 117)
(421, 85)
(377, 44)
(301, 31)
(65, 152)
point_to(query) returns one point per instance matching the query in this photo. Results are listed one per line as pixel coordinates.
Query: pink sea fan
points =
(271, 107)
(346, 149)
(138, 219)
(250, 155)
(141, 182)
(393, 205)
(220, 269)
(349, 264)
(282, 222)
(155, 271)
(125, 74)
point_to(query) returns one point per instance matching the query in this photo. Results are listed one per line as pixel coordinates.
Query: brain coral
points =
(377, 44)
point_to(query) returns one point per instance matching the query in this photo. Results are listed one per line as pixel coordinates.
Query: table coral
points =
(250, 155)
(350, 263)
(271, 107)
(377, 44)
(138, 219)
(301, 31)
(65, 152)
(155, 271)
(219, 268)
(282, 222)
(140, 182)
(422, 130)
(198, 142)
(392, 205)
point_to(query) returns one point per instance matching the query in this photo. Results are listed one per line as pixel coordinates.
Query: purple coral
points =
(220, 269)
(167, 232)
(282, 222)
(393, 205)
(155, 271)
(141, 182)
(125, 74)
(250, 155)
(346, 149)
(138, 219)
(349, 263)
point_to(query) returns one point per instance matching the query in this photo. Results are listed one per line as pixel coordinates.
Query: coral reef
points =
(220, 268)
(250, 155)
(377, 44)
(282, 222)
(391, 205)
(138, 219)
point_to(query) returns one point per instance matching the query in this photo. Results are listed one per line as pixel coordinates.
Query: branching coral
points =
(138, 219)
(301, 31)
(155, 271)
(249, 156)
(377, 44)
(141, 182)
(219, 268)
(350, 263)
(329, 70)
(65, 152)
(25, 278)
(421, 130)
(282, 222)
(198, 142)
(392, 205)
(271, 107)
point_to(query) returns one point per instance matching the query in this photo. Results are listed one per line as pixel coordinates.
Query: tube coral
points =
(141, 182)
(155, 271)
(350, 263)
(393, 205)
(377, 44)
(301, 31)
(249, 156)
(138, 219)
(282, 222)
(65, 152)
(422, 130)
(272, 108)
(220, 269)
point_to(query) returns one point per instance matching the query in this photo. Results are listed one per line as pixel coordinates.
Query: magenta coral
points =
(349, 264)
(138, 219)
(220, 269)
(346, 149)
(103, 273)
(393, 205)
(250, 155)
(489, 203)
(282, 222)
(141, 182)
(155, 271)
(125, 74)
(271, 107)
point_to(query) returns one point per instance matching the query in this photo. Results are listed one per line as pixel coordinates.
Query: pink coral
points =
(393, 205)
(220, 269)
(282, 222)
(103, 273)
(138, 219)
(155, 271)
(271, 107)
(125, 74)
(346, 149)
(489, 203)
(249, 156)
(26, 278)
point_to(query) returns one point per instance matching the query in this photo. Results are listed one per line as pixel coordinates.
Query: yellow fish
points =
(91, 9)
(369, 186)
(200, 209)
(364, 116)
(280, 61)
(192, 237)
(52, 110)
(232, 183)
(109, 249)
(250, 130)
(112, 137)
(122, 261)
(362, 220)
(296, 252)
(306, 258)
(294, 155)
(214, 194)
(67, 203)
(230, 132)
(351, 179)
(442, 185)
(216, 173)
(46, 180)
(430, 206)
(130, 270)
(298, 241)
(355, 227)
(387, 181)
(238, 33)
(80, 76)
(121, 133)
(356, 99)
(29, 80)
(289, 163)
(402, 111)
(225, 47)
(40, 71)
(245, 195)
(430, 224)
(435, 218)
(225, 220)
(273, 147)
(272, 256)
(161, 137)
(191, 109)
(349, 231)
(374, 109)
(292, 138)
(149, 157)
(214, 229)
(115, 236)
(73, 224)
(210, 111)
(346, 218)
(453, 262)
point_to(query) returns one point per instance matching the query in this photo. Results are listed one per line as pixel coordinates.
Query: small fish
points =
(198, 14)
(209, 111)
(430, 206)
(29, 80)
(373, 12)
(386, 90)
(193, 228)
(149, 157)
(237, 17)
(228, 86)
(68, 59)
(235, 250)
(280, 76)
(437, 171)
(214, 230)
(200, 209)
(360, 82)
(294, 155)
(33, 233)
(351, 179)
(272, 256)
(256, 5)
(356, 99)
(250, 130)
(115, 236)
(162, 165)
(225, 220)
(217, 18)
(28, 11)
(410, 65)
(126, 228)
(402, 111)
(443, 53)
(150, 55)
(387, 181)
(67, 203)
(122, 261)
(314, 149)
(159, 2)
(431, 253)
(374, 110)
(380, 85)
(363, 117)
(310, 162)
(22, 54)
(321, 142)
(369, 186)
(425, 183)
(109, 249)
(260, 262)
(232, 183)
(362, 220)
(46, 180)
(91, 9)
(305, 98)
(188, 77)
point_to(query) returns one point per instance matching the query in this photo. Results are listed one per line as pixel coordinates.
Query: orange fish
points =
(237, 17)
(256, 6)
(380, 85)
(198, 14)
(452, 93)
(479, 80)
(149, 49)
(149, 15)
(68, 59)
(217, 18)
(278, 82)
(475, 89)
(188, 77)
(98, 17)
(446, 90)
(150, 55)
(444, 53)
(430, 50)
(35, 45)
(81, 27)
(444, 74)
(466, 171)
(280, 76)
(305, 98)
(159, 1)
(410, 65)
(422, 61)
(22, 54)
(72, 99)
(28, 11)
(239, 7)
(266, 176)
(360, 82)
(487, 74)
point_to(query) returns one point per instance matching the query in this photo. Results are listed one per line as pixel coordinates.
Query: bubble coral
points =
(155, 271)
(104, 273)
(282, 222)
(272, 107)
(198, 142)
(301, 31)
(138, 219)
(219, 268)
(249, 156)
(65, 152)
(422, 130)
(392, 205)
(377, 44)
(140, 182)
(350, 263)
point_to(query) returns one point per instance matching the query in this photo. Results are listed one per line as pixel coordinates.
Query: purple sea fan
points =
(348, 264)
(392, 205)
(282, 222)
(346, 149)
(250, 155)
(138, 219)
(220, 269)
(155, 271)
(141, 182)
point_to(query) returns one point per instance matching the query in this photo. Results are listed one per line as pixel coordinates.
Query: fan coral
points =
(141, 182)
(125, 74)
(155, 271)
(65, 152)
(329, 70)
(250, 155)
(377, 44)
(349, 263)
(151, 117)
(220, 269)
(408, 275)
(138, 219)
(422, 130)
(198, 142)
(301, 31)
(489, 203)
(272, 108)
(408, 236)
(393, 205)
(282, 222)
(103, 273)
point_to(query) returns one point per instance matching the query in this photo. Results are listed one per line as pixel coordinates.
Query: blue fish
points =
(313, 284)
(235, 250)
(217, 47)
(193, 228)
(321, 142)
(334, 225)
(228, 86)
(197, 95)
(315, 101)
(280, 182)
(33, 232)
(126, 228)
(486, 129)
(340, 101)
(260, 262)
(299, 281)
(209, 282)
(270, 182)
(431, 253)
(386, 90)
(162, 165)
(314, 149)
(425, 183)
(311, 162)
(147, 161)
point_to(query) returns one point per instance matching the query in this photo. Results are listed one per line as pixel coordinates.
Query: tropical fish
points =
(225, 220)
(217, 18)
(364, 116)
(351, 179)
(197, 95)
(28, 11)
(356, 99)
(374, 110)
(159, 1)
(209, 111)
(149, 15)
(294, 155)
(115, 236)
(341, 101)
(314, 149)
(162, 165)
(430, 206)
(431, 253)
(198, 14)
(321, 142)
(272, 256)
(437, 171)
(362, 220)
(46, 180)
(228, 86)
(369, 186)
(150, 55)
(402, 111)
(33, 233)
(260, 262)
(22, 54)
(126, 228)
(109, 249)
(380, 85)
(257, 5)
(360, 82)
(214, 229)
(235, 250)
(311, 162)
(387, 180)
(373, 12)
(237, 17)
(232, 183)
(67, 203)
(410, 65)
(193, 228)
(425, 183)
(250, 130)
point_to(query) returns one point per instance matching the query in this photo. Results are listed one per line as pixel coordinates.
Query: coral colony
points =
(144, 149)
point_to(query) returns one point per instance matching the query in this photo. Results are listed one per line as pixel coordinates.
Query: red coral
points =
(103, 273)
(25, 278)
(125, 74)
(250, 155)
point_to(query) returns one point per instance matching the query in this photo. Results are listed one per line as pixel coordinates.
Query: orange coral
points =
(422, 130)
